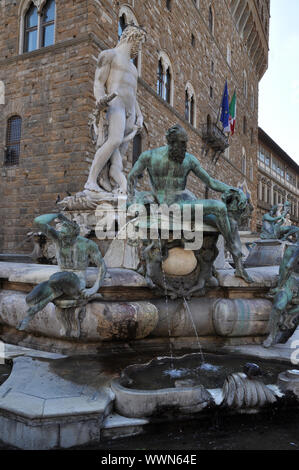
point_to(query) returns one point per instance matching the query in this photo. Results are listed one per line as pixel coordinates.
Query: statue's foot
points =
(268, 342)
(173, 295)
(212, 282)
(120, 191)
(272, 292)
(105, 185)
(92, 187)
(242, 273)
(149, 283)
(199, 290)
(23, 324)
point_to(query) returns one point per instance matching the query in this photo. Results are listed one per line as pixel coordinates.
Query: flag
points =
(225, 110)
(232, 113)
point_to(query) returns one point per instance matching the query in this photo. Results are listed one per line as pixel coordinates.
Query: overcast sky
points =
(279, 87)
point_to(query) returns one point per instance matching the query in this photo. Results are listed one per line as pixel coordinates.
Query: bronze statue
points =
(73, 254)
(284, 316)
(168, 168)
(273, 224)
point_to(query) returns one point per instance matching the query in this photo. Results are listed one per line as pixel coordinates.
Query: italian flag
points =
(232, 113)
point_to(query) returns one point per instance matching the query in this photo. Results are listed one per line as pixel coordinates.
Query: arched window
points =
(31, 29)
(164, 78)
(245, 88)
(121, 25)
(137, 148)
(48, 24)
(13, 140)
(268, 194)
(38, 26)
(209, 122)
(251, 170)
(187, 106)
(167, 87)
(244, 125)
(160, 79)
(252, 99)
(2, 92)
(126, 17)
(190, 113)
(168, 5)
(243, 161)
(211, 19)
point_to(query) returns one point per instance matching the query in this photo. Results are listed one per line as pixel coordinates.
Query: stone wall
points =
(52, 90)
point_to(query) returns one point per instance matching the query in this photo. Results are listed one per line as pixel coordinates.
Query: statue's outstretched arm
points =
(101, 75)
(269, 218)
(206, 178)
(43, 222)
(96, 257)
(136, 171)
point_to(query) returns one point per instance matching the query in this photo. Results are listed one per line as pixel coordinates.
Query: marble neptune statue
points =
(74, 253)
(115, 88)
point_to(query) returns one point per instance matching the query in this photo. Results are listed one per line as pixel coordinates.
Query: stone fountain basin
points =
(143, 403)
(178, 395)
(186, 384)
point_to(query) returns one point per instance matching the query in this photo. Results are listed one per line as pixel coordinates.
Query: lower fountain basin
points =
(180, 385)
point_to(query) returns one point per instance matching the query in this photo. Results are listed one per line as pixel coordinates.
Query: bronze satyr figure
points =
(73, 254)
(284, 316)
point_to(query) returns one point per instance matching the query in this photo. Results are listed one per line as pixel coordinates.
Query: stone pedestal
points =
(289, 381)
(266, 253)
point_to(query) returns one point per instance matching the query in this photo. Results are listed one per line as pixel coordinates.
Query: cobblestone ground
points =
(278, 431)
(274, 431)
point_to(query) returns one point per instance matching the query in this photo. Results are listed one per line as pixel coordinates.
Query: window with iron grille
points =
(13, 141)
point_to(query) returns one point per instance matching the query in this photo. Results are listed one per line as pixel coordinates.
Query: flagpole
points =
(221, 102)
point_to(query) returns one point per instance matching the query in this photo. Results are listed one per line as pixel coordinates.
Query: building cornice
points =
(58, 47)
(276, 181)
(267, 140)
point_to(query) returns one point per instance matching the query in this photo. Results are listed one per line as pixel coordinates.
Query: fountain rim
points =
(115, 384)
(116, 381)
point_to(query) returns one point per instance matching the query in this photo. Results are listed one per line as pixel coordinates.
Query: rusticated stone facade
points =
(51, 89)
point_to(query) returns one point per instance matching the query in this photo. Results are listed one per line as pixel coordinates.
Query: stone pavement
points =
(46, 402)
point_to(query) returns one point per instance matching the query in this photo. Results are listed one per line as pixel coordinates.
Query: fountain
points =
(84, 339)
